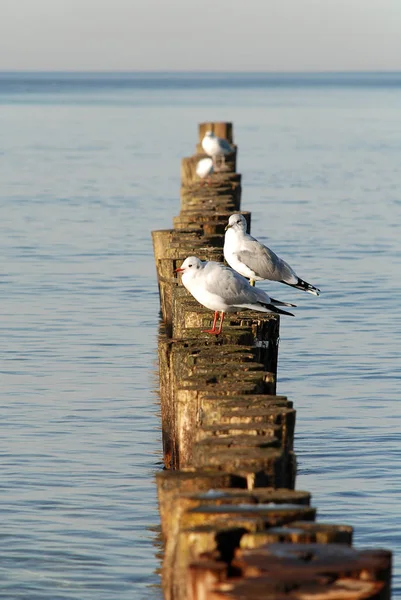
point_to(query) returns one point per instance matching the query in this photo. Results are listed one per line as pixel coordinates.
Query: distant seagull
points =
(255, 261)
(223, 290)
(215, 146)
(204, 169)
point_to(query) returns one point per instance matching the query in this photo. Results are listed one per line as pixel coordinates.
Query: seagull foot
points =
(212, 331)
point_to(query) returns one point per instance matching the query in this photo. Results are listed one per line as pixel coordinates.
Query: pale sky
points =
(218, 35)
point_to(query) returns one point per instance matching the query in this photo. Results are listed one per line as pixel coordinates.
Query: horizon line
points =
(197, 71)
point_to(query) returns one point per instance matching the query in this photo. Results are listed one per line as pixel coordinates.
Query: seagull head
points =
(190, 266)
(209, 134)
(237, 222)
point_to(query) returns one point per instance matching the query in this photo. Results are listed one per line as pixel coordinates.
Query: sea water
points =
(90, 164)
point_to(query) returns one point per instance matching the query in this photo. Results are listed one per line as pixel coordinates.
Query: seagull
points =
(255, 261)
(221, 289)
(204, 169)
(215, 146)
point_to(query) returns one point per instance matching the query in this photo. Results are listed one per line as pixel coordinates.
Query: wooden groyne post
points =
(234, 526)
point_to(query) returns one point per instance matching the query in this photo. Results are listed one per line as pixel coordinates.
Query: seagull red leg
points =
(221, 323)
(213, 329)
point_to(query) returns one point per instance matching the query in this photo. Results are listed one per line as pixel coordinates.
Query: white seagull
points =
(255, 261)
(215, 146)
(205, 168)
(223, 290)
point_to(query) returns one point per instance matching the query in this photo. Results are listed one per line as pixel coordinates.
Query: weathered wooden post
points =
(233, 525)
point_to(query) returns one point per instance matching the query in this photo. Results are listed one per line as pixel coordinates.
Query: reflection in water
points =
(155, 588)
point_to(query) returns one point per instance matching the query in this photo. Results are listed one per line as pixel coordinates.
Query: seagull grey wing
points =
(265, 263)
(227, 284)
(225, 146)
(236, 291)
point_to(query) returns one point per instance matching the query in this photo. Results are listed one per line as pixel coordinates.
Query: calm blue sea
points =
(89, 165)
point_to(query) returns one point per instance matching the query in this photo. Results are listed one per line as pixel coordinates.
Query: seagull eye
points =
(189, 265)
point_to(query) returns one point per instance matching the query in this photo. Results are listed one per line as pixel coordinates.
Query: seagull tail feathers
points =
(274, 309)
(279, 303)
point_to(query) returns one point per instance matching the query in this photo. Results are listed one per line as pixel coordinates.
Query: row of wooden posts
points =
(233, 525)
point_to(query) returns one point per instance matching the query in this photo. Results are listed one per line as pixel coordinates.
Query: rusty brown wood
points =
(210, 222)
(262, 588)
(272, 515)
(300, 532)
(308, 561)
(204, 575)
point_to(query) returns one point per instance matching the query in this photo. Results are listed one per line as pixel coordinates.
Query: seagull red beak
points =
(178, 270)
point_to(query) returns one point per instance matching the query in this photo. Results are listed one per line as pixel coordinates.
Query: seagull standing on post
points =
(215, 146)
(221, 289)
(255, 261)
